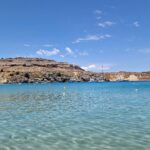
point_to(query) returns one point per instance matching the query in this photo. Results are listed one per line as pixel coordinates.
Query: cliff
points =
(28, 70)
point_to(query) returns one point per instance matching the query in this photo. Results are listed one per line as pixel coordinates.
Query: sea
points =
(75, 116)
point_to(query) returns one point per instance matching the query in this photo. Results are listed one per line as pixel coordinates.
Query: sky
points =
(112, 35)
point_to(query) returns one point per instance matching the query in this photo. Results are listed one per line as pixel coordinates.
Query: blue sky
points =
(89, 33)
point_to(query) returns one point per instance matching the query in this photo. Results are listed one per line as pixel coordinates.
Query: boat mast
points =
(102, 73)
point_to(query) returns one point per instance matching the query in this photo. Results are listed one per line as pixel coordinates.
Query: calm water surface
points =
(75, 116)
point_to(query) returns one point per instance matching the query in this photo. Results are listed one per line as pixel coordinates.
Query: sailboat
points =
(102, 76)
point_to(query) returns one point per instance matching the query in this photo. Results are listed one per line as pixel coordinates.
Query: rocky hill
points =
(29, 70)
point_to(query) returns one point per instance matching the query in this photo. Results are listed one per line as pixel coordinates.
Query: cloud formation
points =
(43, 52)
(27, 45)
(83, 53)
(96, 67)
(69, 50)
(136, 24)
(98, 12)
(106, 24)
(47, 45)
(145, 50)
(62, 56)
(93, 38)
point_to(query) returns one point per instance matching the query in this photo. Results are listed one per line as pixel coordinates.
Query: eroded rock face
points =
(15, 70)
(128, 76)
(29, 70)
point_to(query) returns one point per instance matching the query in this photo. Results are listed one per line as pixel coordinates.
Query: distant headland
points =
(30, 70)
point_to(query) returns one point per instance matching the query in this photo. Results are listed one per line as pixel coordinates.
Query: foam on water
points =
(75, 116)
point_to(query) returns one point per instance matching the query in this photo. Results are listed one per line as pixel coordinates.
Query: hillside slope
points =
(28, 70)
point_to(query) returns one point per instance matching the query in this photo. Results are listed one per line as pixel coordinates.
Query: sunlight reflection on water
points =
(81, 116)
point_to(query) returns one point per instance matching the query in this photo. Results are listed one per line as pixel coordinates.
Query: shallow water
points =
(75, 116)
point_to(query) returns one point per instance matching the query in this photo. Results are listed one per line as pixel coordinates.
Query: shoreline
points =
(32, 70)
(21, 83)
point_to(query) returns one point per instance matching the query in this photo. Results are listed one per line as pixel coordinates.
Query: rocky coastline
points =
(31, 70)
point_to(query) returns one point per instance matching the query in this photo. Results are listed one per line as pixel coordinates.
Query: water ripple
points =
(75, 116)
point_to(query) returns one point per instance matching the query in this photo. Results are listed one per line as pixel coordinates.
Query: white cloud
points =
(83, 54)
(98, 18)
(106, 24)
(105, 67)
(43, 52)
(136, 24)
(92, 66)
(89, 68)
(96, 67)
(145, 50)
(69, 50)
(62, 56)
(27, 45)
(47, 45)
(98, 12)
(85, 68)
(92, 38)
(101, 51)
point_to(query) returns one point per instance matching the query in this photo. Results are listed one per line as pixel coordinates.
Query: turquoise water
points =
(75, 116)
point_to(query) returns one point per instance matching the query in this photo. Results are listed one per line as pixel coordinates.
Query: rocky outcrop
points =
(29, 70)
(128, 76)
